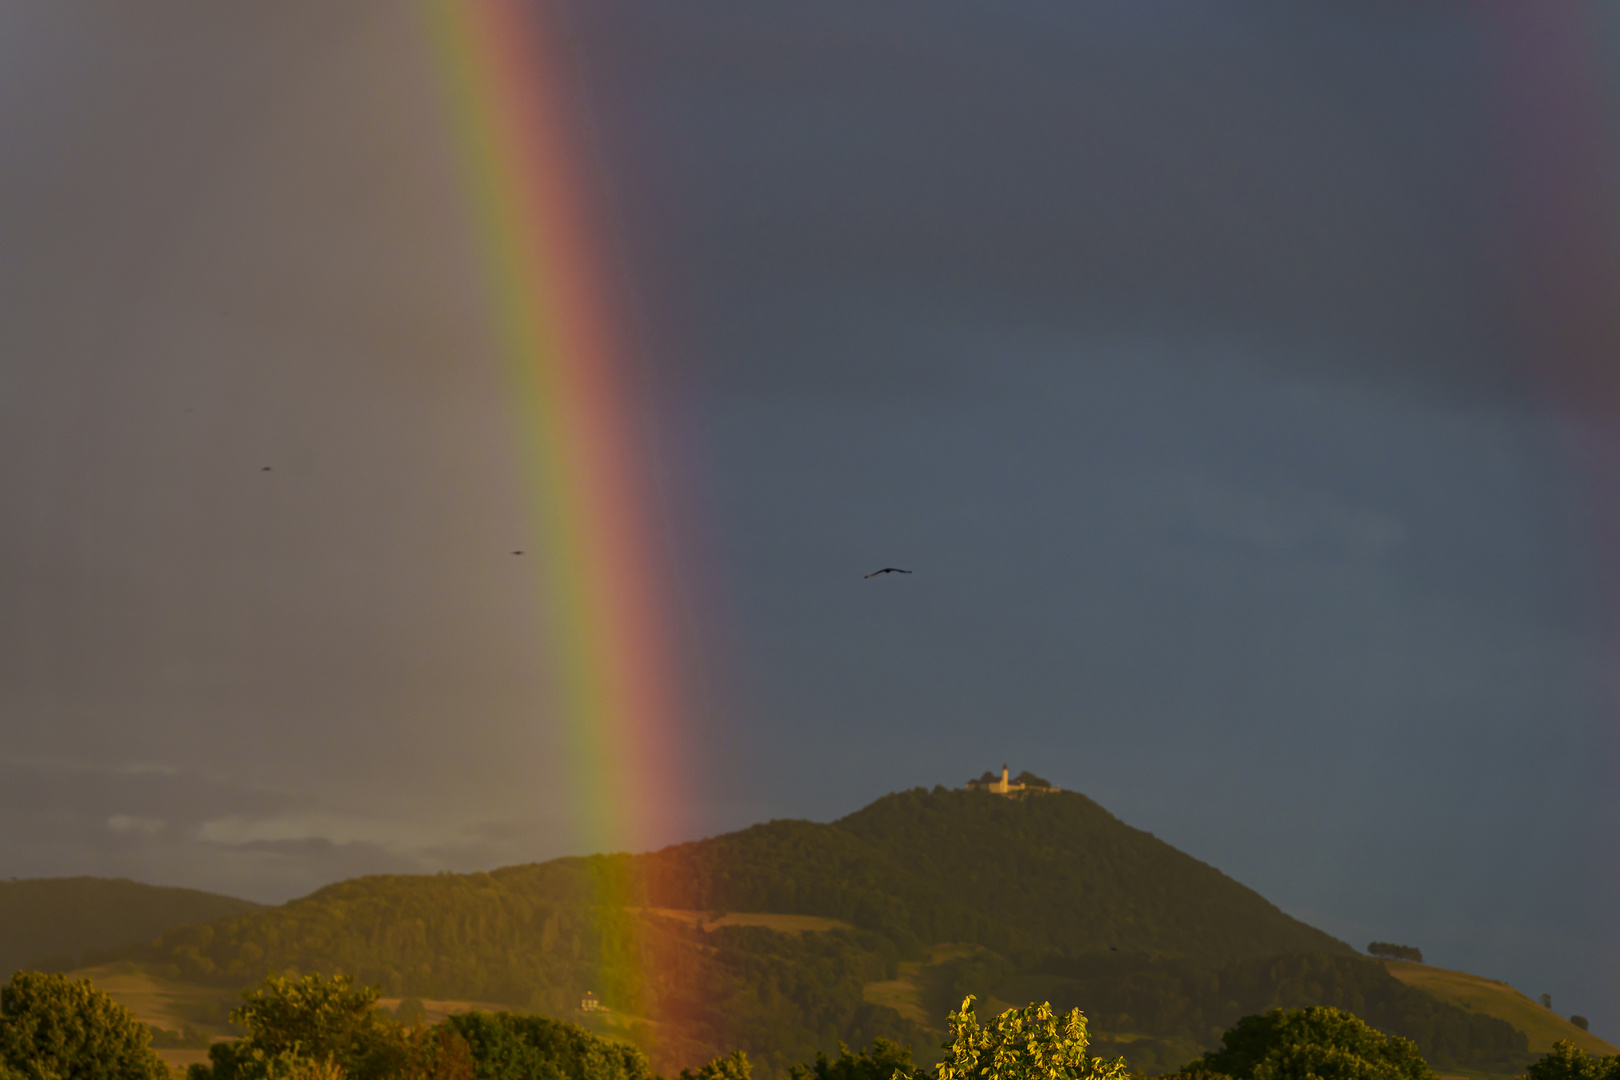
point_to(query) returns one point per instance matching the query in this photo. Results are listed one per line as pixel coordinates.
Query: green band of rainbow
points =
(556, 320)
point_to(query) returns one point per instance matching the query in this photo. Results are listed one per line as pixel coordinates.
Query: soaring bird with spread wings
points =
(888, 570)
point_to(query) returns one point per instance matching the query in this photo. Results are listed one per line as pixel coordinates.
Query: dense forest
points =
(53, 923)
(1044, 898)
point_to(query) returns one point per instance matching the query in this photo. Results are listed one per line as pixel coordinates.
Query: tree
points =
(1566, 1061)
(54, 1029)
(1385, 950)
(242, 1061)
(437, 1053)
(733, 1066)
(1581, 1022)
(1546, 1000)
(1311, 1044)
(885, 1059)
(308, 1026)
(507, 1046)
(1022, 1044)
(323, 1017)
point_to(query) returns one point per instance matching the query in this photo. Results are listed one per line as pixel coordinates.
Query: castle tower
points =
(1006, 785)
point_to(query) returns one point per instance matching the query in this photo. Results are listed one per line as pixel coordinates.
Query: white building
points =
(1007, 786)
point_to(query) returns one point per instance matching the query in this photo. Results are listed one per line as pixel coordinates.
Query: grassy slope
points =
(168, 1003)
(163, 1002)
(1540, 1025)
(60, 919)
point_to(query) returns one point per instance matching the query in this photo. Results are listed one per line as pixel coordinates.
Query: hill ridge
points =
(55, 922)
(1050, 898)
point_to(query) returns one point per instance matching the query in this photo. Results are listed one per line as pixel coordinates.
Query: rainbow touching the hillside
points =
(558, 325)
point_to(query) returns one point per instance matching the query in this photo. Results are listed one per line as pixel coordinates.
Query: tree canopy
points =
(325, 1028)
(1386, 950)
(325, 1018)
(882, 1062)
(1567, 1061)
(1031, 1043)
(311, 1026)
(1311, 1044)
(508, 1046)
(732, 1066)
(55, 1029)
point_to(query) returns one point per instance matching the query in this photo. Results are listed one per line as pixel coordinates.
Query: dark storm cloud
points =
(1313, 180)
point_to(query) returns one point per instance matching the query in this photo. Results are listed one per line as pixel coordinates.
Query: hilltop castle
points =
(1026, 783)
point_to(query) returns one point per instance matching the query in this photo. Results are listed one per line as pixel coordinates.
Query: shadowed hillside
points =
(1058, 873)
(901, 909)
(54, 922)
(1052, 875)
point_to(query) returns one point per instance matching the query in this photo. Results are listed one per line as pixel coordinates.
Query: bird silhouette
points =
(517, 552)
(265, 469)
(888, 570)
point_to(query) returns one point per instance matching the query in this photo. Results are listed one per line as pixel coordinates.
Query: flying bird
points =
(888, 570)
(517, 552)
(265, 469)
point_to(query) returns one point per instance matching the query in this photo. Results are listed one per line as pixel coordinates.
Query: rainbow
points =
(1556, 103)
(559, 327)
(558, 324)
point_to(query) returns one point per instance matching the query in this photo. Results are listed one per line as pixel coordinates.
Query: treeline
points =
(782, 997)
(467, 937)
(1160, 1012)
(1184, 1006)
(316, 1028)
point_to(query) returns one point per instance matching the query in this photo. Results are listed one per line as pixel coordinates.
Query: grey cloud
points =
(130, 823)
(1296, 178)
(208, 830)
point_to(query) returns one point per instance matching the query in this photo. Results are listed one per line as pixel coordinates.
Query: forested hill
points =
(1047, 880)
(1076, 878)
(1049, 873)
(55, 922)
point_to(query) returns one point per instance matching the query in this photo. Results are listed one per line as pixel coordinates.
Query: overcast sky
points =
(1238, 380)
